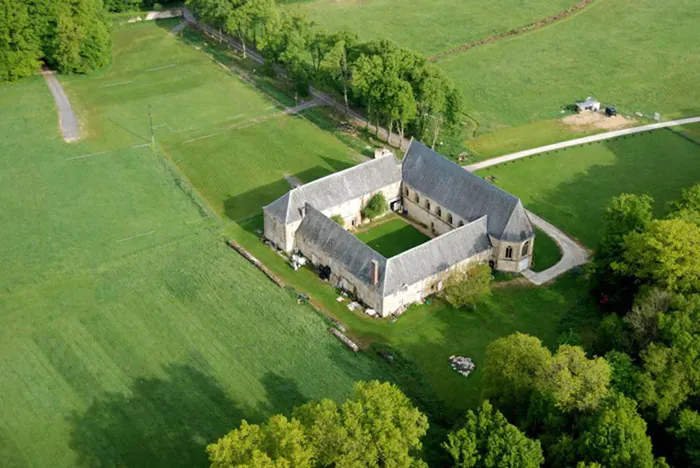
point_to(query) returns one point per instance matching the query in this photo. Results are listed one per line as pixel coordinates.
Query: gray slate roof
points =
(328, 237)
(465, 194)
(336, 188)
(436, 255)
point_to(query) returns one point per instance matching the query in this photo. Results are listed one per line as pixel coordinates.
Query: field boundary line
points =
(578, 142)
(539, 24)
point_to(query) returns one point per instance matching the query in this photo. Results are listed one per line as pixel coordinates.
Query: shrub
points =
(377, 206)
(466, 288)
(338, 219)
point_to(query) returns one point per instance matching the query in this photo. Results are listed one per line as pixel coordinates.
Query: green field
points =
(640, 55)
(392, 236)
(427, 26)
(200, 110)
(130, 335)
(571, 187)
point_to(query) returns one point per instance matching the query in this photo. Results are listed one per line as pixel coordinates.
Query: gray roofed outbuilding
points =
(465, 194)
(439, 254)
(331, 239)
(336, 188)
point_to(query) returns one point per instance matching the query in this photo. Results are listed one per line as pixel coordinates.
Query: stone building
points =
(472, 220)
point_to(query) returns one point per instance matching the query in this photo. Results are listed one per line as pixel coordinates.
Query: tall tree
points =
(487, 440)
(664, 255)
(336, 61)
(19, 46)
(277, 443)
(616, 436)
(575, 382)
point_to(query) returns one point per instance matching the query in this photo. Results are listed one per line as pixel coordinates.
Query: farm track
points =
(66, 117)
(581, 5)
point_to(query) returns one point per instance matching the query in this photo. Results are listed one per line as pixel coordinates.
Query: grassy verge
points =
(547, 252)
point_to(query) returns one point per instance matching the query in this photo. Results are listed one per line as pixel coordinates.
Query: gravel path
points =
(573, 254)
(68, 121)
(579, 141)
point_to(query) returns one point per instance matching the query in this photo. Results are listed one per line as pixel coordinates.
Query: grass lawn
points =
(429, 335)
(130, 335)
(428, 26)
(547, 252)
(391, 236)
(640, 55)
(571, 187)
(200, 112)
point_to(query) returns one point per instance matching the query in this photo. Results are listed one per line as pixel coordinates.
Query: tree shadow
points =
(283, 394)
(160, 422)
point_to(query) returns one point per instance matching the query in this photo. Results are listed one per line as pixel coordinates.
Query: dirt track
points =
(66, 117)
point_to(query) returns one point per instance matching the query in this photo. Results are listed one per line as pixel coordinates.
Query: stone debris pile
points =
(462, 364)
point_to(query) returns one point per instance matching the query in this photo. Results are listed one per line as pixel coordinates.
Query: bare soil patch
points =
(588, 120)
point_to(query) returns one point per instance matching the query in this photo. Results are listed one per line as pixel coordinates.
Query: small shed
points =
(589, 104)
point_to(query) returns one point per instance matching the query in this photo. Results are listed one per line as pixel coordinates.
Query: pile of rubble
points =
(461, 364)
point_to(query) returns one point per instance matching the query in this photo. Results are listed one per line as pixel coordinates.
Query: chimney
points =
(375, 272)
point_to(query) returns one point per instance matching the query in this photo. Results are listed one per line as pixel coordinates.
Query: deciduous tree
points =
(468, 287)
(488, 440)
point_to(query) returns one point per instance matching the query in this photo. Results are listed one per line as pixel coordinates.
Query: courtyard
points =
(391, 235)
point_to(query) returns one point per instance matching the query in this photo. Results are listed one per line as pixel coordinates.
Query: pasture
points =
(427, 26)
(130, 335)
(571, 187)
(640, 55)
(392, 235)
(235, 144)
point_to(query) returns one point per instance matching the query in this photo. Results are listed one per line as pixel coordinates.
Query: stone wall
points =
(424, 210)
(418, 291)
(340, 277)
(517, 262)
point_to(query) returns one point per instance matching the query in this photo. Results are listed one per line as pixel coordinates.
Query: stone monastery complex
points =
(473, 222)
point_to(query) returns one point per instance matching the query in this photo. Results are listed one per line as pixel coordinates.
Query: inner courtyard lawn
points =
(428, 26)
(639, 55)
(391, 235)
(570, 188)
(130, 335)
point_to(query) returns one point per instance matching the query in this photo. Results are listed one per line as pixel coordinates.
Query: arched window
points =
(427, 205)
(417, 199)
(526, 248)
(509, 252)
(461, 223)
(438, 211)
(405, 191)
(449, 218)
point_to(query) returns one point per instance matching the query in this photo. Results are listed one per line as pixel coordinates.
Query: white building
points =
(473, 221)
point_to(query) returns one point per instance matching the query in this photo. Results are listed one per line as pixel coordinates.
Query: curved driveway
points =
(579, 141)
(573, 254)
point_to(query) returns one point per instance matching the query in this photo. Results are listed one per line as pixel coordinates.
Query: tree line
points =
(71, 36)
(398, 88)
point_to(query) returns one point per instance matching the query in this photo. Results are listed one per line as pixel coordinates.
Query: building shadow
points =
(160, 422)
(250, 202)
